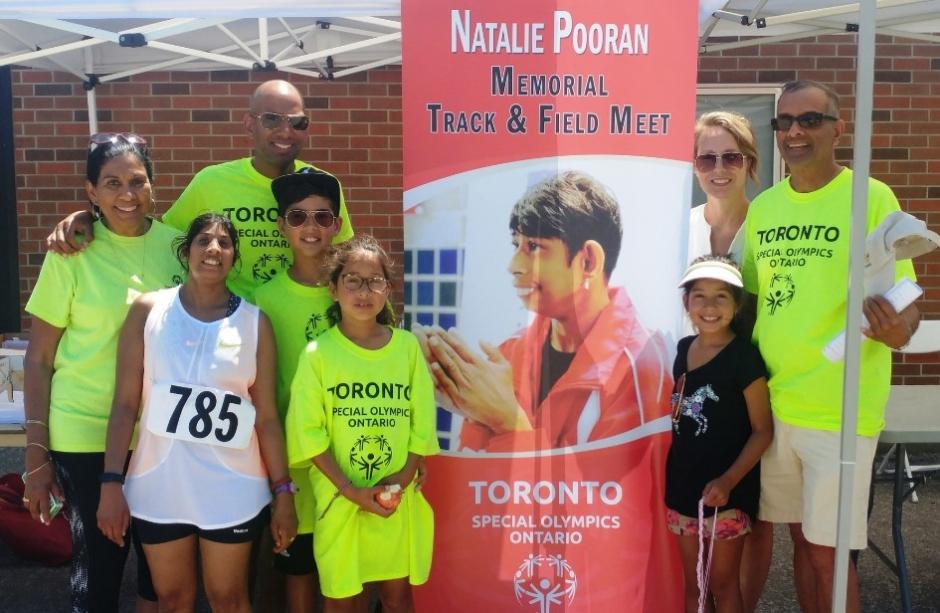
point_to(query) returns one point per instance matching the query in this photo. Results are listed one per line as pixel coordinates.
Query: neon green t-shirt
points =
(89, 296)
(298, 315)
(238, 190)
(369, 408)
(796, 258)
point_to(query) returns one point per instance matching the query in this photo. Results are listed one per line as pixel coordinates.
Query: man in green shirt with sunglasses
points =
(241, 189)
(796, 262)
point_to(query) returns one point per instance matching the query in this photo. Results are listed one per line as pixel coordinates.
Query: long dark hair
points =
(335, 263)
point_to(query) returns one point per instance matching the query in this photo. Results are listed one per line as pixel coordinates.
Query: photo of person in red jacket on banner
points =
(585, 369)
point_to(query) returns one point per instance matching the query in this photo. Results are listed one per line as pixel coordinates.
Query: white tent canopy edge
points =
(764, 20)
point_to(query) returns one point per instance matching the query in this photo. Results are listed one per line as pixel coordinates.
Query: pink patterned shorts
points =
(732, 523)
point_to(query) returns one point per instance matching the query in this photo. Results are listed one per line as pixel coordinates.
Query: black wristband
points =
(111, 478)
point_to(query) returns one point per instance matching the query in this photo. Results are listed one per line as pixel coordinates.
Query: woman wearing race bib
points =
(78, 306)
(360, 418)
(198, 363)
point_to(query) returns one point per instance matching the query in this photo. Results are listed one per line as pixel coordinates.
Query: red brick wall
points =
(906, 140)
(193, 119)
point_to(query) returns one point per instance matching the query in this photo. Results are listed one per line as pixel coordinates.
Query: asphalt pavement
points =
(31, 588)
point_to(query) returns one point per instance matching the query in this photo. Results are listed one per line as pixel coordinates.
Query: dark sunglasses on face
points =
(729, 159)
(807, 121)
(272, 121)
(353, 283)
(110, 138)
(298, 217)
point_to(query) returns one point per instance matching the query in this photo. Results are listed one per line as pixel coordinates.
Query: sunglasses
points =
(298, 217)
(272, 121)
(807, 121)
(111, 138)
(729, 159)
(353, 283)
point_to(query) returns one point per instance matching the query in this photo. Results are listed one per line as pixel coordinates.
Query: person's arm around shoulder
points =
(64, 238)
(39, 366)
(271, 435)
(113, 513)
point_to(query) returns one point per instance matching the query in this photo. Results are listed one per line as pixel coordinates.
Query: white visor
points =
(713, 270)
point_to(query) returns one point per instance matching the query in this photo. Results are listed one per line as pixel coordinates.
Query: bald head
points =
(277, 142)
(276, 92)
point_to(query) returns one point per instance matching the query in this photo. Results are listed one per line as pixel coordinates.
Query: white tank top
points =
(191, 478)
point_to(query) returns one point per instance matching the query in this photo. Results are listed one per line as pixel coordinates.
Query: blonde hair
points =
(739, 128)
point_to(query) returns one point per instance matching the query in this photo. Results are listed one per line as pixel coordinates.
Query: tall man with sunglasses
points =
(240, 189)
(796, 262)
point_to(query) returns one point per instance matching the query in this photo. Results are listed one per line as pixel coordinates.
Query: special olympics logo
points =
(369, 454)
(544, 580)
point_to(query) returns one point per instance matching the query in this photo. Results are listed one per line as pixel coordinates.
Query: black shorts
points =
(151, 533)
(297, 559)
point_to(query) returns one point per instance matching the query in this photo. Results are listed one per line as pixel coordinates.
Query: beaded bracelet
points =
(284, 486)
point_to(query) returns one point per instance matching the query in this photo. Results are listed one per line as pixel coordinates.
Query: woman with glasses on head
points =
(725, 157)
(78, 306)
(198, 369)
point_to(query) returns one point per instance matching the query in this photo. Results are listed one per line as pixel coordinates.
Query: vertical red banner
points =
(547, 151)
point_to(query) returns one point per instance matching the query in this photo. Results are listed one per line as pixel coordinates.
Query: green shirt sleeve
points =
(51, 300)
(307, 435)
(423, 436)
(187, 207)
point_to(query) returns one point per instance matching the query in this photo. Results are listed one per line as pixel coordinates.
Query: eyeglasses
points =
(272, 121)
(111, 138)
(298, 217)
(353, 283)
(807, 121)
(729, 159)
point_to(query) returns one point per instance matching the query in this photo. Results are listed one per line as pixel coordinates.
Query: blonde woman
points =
(725, 158)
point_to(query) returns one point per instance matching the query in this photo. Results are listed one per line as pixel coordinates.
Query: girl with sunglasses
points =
(78, 306)
(361, 417)
(296, 301)
(197, 366)
(725, 157)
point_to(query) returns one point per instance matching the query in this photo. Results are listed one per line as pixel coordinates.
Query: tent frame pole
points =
(864, 90)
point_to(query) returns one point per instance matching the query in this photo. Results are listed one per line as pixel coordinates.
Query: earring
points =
(586, 285)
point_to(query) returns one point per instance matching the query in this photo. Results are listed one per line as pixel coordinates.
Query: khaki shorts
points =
(799, 476)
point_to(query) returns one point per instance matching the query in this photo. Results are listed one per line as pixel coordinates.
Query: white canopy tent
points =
(112, 39)
(116, 40)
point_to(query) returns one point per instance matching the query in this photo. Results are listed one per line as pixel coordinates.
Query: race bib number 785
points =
(200, 415)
